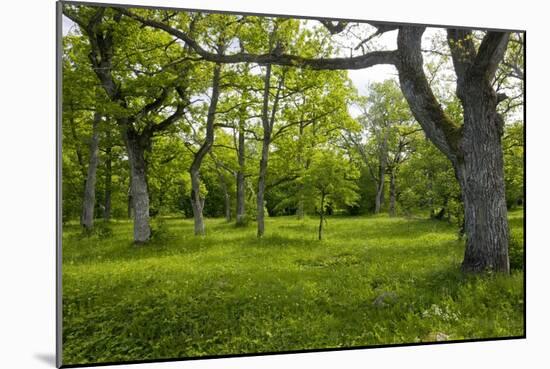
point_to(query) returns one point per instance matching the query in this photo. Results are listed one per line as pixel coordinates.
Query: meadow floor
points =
(372, 280)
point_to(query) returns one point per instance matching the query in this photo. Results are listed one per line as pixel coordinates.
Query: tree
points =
(197, 200)
(513, 148)
(137, 120)
(268, 121)
(87, 219)
(428, 182)
(83, 104)
(329, 179)
(473, 145)
(384, 113)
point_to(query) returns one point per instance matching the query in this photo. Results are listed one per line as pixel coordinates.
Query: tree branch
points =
(358, 62)
(490, 53)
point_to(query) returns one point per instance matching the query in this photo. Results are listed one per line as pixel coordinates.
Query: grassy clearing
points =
(373, 280)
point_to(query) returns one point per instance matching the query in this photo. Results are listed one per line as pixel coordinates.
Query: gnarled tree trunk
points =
(481, 176)
(88, 205)
(474, 148)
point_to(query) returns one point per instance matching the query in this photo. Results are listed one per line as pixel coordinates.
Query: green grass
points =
(230, 293)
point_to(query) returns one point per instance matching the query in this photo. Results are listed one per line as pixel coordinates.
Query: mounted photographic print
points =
(241, 184)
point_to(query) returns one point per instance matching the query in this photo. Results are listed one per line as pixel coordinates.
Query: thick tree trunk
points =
(87, 219)
(481, 176)
(108, 178)
(393, 193)
(139, 188)
(241, 207)
(474, 148)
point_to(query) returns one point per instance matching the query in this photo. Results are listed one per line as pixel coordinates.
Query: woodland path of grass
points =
(373, 280)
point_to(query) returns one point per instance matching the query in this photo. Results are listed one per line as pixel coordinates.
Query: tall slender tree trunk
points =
(228, 215)
(378, 200)
(321, 217)
(241, 207)
(393, 193)
(261, 185)
(225, 190)
(383, 159)
(268, 120)
(88, 205)
(197, 200)
(108, 177)
(300, 211)
(197, 203)
(139, 189)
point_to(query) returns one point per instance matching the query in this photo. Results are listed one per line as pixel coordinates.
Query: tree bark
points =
(227, 197)
(474, 148)
(108, 177)
(261, 184)
(481, 177)
(197, 200)
(382, 166)
(138, 186)
(300, 210)
(379, 199)
(393, 193)
(241, 206)
(267, 122)
(197, 203)
(129, 200)
(88, 205)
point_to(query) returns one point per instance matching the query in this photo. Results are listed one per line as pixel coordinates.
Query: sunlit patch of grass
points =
(230, 293)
